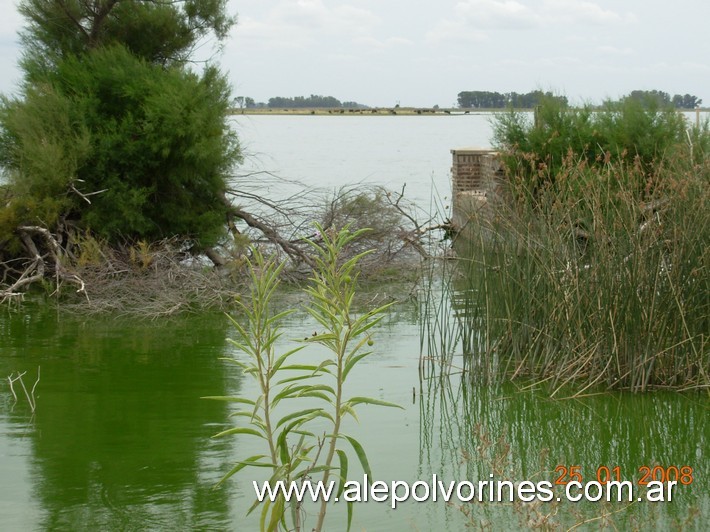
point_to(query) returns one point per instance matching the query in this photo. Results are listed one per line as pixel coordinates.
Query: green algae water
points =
(114, 442)
(120, 439)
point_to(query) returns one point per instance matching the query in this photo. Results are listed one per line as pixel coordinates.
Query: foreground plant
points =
(295, 450)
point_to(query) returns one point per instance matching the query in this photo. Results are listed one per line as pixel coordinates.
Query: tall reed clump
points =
(303, 443)
(598, 281)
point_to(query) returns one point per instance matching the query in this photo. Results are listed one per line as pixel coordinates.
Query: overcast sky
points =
(424, 52)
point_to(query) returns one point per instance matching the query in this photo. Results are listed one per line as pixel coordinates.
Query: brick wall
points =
(477, 181)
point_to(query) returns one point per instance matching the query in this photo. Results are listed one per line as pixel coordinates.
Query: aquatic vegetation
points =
(595, 283)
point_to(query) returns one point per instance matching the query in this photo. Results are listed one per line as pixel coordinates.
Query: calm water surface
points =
(120, 439)
(331, 152)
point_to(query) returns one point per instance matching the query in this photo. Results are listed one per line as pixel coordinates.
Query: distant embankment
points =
(387, 111)
(373, 111)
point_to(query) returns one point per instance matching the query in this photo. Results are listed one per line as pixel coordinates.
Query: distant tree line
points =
(663, 99)
(497, 100)
(245, 102)
(313, 100)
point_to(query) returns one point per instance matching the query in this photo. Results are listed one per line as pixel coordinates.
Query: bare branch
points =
(85, 197)
(291, 250)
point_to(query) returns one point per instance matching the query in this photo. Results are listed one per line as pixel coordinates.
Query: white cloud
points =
(306, 22)
(372, 42)
(475, 20)
(454, 31)
(582, 12)
(613, 50)
(496, 14)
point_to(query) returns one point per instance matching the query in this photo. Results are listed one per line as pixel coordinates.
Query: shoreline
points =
(373, 111)
(390, 111)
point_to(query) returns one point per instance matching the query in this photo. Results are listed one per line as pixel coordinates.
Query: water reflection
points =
(470, 430)
(120, 438)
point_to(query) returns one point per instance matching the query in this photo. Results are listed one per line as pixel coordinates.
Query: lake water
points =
(329, 152)
(120, 439)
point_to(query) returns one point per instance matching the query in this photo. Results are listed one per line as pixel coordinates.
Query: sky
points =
(422, 53)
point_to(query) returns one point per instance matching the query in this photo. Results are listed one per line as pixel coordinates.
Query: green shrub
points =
(632, 131)
(152, 142)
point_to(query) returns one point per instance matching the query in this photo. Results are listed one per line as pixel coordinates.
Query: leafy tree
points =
(656, 98)
(497, 100)
(159, 31)
(650, 98)
(112, 131)
(354, 105)
(244, 102)
(313, 100)
(686, 101)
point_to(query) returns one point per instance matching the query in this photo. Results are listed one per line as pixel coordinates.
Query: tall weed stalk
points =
(295, 447)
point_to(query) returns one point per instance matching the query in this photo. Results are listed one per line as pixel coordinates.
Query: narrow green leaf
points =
(293, 415)
(301, 367)
(252, 461)
(320, 338)
(350, 514)
(282, 447)
(264, 513)
(324, 365)
(343, 459)
(360, 452)
(319, 469)
(351, 361)
(345, 408)
(239, 430)
(319, 388)
(277, 513)
(359, 329)
(245, 413)
(370, 401)
(317, 395)
(229, 399)
(256, 503)
(295, 378)
(305, 432)
(257, 405)
(281, 315)
(236, 362)
(288, 391)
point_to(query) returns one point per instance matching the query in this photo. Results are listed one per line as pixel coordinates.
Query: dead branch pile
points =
(161, 278)
(156, 280)
(396, 237)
